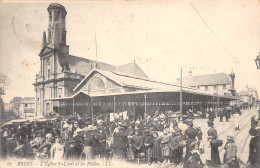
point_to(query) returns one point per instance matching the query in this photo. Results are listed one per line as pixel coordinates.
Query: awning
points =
(189, 95)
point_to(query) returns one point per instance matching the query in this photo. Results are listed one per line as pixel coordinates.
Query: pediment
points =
(46, 50)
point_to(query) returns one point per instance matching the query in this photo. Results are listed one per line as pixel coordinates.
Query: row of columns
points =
(145, 107)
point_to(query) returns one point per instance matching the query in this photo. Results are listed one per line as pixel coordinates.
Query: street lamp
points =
(257, 61)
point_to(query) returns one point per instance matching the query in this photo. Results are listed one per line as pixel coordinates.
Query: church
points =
(67, 84)
(60, 73)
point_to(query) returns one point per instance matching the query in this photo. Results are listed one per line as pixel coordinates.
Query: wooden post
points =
(145, 103)
(181, 93)
(114, 106)
(92, 108)
(58, 107)
(192, 104)
(217, 100)
(73, 110)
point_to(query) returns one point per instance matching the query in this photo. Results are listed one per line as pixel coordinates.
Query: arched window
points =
(95, 84)
(48, 62)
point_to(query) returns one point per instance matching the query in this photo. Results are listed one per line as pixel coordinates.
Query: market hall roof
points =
(83, 66)
(188, 95)
(206, 80)
(126, 80)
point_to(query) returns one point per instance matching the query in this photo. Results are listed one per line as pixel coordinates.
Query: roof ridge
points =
(92, 60)
(146, 79)
(220, 73)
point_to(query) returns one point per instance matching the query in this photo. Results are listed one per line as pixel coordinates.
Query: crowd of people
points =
(145, 140)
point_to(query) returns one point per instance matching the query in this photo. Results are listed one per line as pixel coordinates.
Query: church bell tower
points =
(57, 28)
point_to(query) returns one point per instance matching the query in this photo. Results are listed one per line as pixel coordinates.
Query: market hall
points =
(108, 92)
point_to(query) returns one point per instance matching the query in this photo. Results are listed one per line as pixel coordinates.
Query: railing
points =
(68, 75)
(59, 76)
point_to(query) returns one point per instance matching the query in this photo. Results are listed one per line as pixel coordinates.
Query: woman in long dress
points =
(57, 150)
(120, 144)
(213, 139)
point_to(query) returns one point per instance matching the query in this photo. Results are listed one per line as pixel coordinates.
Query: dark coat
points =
(149, 141)
(120, 140)
(254, 151)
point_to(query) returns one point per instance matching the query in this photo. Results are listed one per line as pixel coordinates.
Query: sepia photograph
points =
(130, 83)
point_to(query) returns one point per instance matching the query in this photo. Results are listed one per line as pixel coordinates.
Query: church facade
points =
(61, 74)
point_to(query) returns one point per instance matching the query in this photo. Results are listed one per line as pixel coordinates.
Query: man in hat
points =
(211, 114)
(174, 144)
(138, 143)
(230, 157)
(221, 114)
(101, 145)
(226, 114)
(148, 141)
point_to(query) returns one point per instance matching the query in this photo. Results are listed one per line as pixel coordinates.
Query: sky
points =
(206, 36)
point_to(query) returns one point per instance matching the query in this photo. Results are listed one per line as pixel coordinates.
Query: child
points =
(156, 149)
(230, 153)
(130, 153)
(194, 160)
(72, 153)
(45, 155)
(165, 145)
(36, 153)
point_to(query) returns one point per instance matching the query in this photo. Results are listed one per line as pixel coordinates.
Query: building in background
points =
(7, 114)
(27, 107)
(249, 97)
(219, 83)
(14, 106)
(22, 107)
